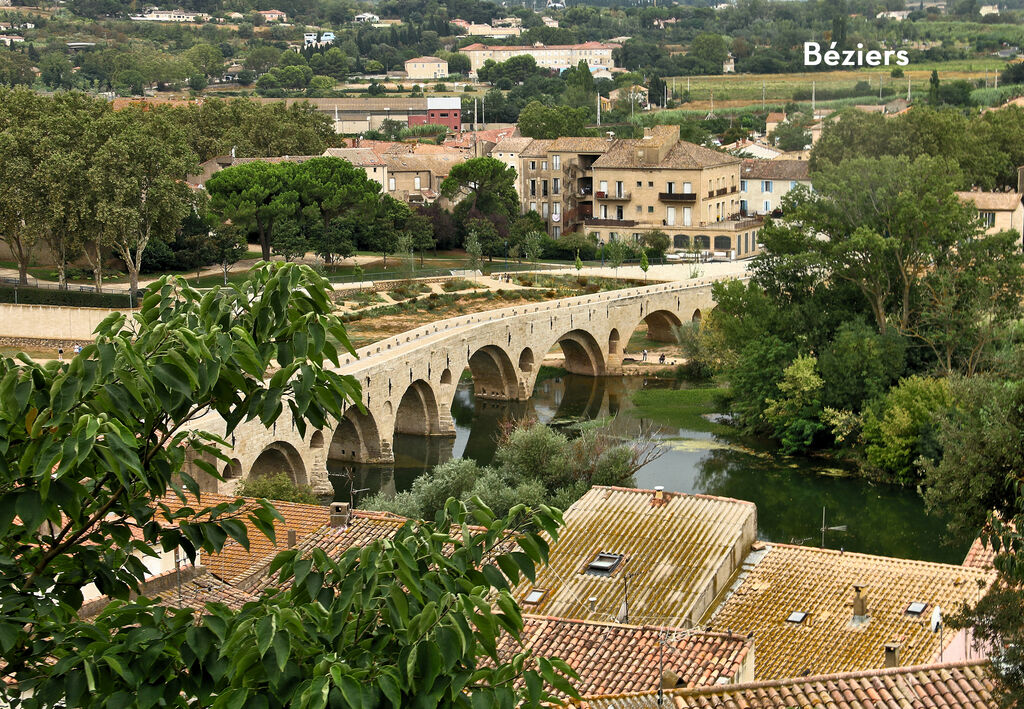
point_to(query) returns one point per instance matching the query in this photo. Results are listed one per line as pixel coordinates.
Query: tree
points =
(533, 245)
(795, 416)
(228, 246)
(487, 236)
(277, 486)
(485, 185)
(645, 265)
(138, 176)
(656, 241)
(20, 115)
(539, 121)
(206, 58)
(473, 253)
(56, 70)
(289, 241)
(255, 196)
(128, 409)
(260, 59)
(578, 264)
(710, 48)
(790, 136)
(615, 254)
(933, 88)
(421, 234)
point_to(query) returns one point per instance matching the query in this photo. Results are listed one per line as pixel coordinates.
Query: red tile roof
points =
(980, 556)
(963, 685)
(614, 658)
(233, 561)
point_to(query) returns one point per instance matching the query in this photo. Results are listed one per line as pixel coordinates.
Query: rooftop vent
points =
(604, 564)
(796, 617)
(916, 608)
(892, 654)
(535, 596)
(860, 604)
(341, 514)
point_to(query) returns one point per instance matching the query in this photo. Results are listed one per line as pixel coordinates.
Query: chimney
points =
(340, 514)
(592, 603)
(659, 496)
(860, 604)
(892, 654)
(293, 538)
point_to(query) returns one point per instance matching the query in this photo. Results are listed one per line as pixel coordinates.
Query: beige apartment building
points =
(597, 55)
(763, 183)
(426, 68)
(621, 189)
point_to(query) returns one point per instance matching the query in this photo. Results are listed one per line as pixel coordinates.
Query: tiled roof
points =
(612, 658)
(432, 60)
(992, 201)
(789, 579)
(677, 553)
(538, 148)
(363, 529)
(962, 685)
(980, 555)
(435, 164)
(682, 156)
(579, 145)
(356, 156)
(512, 144)
(775, 117)
(775, 170)
(203, 589)
(233, 561)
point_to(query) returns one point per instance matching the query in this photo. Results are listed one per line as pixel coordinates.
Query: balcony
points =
(614, 196)
(609, 222)
(677, 196)
(721, 191)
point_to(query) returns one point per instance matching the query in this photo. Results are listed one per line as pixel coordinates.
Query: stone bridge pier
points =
(409, 381)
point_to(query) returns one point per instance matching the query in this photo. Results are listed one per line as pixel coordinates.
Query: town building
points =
(358, 115)
(426, 68)
(9, 39)
(729, 65)
(986, 10)
(763, 183)
(152, 14)
(366, 17)
(821, 611)
(374, 166)
(773, 121)
(641, 556)
(998, 211)
(951, 685)
(597, 55)
(500, 29)
(623, 188)
(509, 151)
(417, 179)
(273, 15)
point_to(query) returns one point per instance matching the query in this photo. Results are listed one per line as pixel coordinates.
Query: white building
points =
(558, 57)
(153, 14)
(366, 17)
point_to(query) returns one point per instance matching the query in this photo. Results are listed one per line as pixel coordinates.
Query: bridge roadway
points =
(409, 380)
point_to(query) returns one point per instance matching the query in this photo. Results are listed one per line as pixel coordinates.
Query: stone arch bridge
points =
(409, 380)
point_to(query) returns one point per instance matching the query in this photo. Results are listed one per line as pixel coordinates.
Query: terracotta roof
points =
(276, 159)
(678, 552)
(203, 589)
(613, 658)
(538, 148)
(775, 170)
(432, 60)
(512, 144)
(356, 156)
(477, 46)
(961, 685)
(788, 579)
(435, 164)
(980, 555)
(992, 201)
(579, 145)
(682, 156)
(775, 117)
(233, 561)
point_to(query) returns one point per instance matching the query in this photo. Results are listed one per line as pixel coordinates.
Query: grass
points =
(681, 408)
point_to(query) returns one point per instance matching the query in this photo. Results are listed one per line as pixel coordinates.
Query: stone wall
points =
(50, 323)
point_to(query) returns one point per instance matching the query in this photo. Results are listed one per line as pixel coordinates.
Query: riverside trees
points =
(88, 448)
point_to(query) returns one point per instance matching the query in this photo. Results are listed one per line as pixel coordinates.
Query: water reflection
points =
(789, 495)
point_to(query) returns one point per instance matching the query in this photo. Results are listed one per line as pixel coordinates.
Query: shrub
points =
(67, 298)
(277, 486)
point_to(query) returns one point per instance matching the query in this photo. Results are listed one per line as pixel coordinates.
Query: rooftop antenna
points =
(837, 528)
(599, 109)
(908, 88)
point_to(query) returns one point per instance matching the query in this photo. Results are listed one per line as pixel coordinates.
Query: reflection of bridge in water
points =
(409, 381)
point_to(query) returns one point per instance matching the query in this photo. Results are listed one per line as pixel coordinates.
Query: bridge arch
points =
(583, 354)
(316, 440)
(661, 325)
(356, 439)
(526, 360)
(280, 457)
(696, 317)
(494, 375)
(417, 412)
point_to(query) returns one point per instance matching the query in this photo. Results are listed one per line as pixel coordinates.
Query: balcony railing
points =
(609, 222)
(614, 196)
(721, 191)
(677, 196)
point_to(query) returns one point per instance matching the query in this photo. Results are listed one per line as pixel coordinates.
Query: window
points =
(650, 183)
(796, 617)
(546, 208)
(792, 184)
(670, 187)
(533, 188)
(687, 216)
(688, 188)
(618, 189)
(743, 185)
(556, 185)
(670, 216)
(767, 206)
(556, 208)
(639, 183)
(916, 608)
(533, 206)
(556, 162)
(603, 186)
(618, 212)
(605, 563)
(556, 231)
(533, 164)
(544, 165)
(604, 211)
(543, 188)
(650, 209)
(766, 185)
(391, 184)
(639, 209)
(988, 219)
(416, 182)
(535, 596)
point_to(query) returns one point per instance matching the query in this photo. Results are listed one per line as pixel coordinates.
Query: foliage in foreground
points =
(86, 449)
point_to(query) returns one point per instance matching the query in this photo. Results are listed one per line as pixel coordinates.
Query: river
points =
(790, 493)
